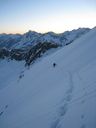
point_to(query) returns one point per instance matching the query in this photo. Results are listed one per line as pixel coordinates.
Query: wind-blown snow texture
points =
(63, 96)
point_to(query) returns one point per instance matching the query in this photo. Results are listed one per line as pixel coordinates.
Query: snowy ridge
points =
(32, 38)
(55, 97)
(32, 45)
(8, 40)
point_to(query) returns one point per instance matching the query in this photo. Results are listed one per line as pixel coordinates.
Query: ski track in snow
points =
(88, 91)
(3, 110)
(65, 101)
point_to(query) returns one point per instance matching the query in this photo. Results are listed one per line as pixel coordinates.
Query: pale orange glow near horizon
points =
(42, 16)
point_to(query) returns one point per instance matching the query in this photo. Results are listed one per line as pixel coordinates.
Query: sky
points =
(20, 16)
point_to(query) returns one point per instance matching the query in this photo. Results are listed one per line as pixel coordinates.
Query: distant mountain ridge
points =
(30, 38)
(33, 45)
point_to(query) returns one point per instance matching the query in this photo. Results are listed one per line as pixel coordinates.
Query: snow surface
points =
(63, 96)
(10, 70)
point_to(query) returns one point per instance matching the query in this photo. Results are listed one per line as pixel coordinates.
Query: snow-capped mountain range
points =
(33, 45)
(58, 91)
(31, 38)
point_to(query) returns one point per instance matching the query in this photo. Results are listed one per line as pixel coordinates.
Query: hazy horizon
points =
(20, 16)
(46, 31)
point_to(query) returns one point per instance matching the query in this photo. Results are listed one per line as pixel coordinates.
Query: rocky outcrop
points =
(29, 55)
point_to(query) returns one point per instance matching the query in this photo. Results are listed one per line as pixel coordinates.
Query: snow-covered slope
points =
(63, 96)
(10, 71)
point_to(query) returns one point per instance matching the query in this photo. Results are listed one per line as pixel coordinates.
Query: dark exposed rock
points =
(29, 55)
(37, 51)
(4, 53)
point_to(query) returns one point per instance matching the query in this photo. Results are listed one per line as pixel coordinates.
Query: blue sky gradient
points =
(19, 16)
